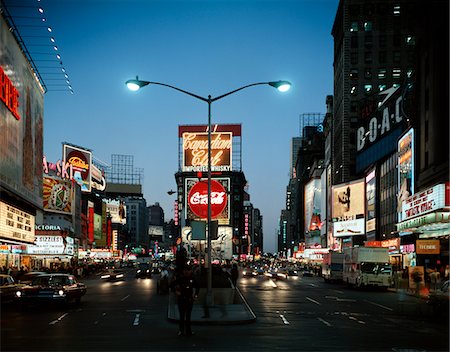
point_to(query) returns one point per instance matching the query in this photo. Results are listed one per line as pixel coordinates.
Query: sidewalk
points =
(219, 314)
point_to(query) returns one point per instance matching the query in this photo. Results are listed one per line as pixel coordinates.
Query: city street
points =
(298, 314)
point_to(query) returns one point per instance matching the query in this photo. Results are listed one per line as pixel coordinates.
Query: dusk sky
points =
(204, 47)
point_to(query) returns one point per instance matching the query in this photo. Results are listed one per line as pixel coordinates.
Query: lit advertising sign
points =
(371, 182)
(116, 210)
(428, 247)
(195, 151)
(97, 227)
(221, 248)
(59, 169)
(52, 245)
(57, 196)
(382, 120)
(312, 205)
(405, 168)
(21, 122)
(348, 209)
(424, 202)
(198, 199)
(16, 224)
(81, 161)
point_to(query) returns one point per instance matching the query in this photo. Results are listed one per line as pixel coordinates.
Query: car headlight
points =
(138, 271)
(18, 294)
(120, 275)
(148, 270)
(61, 292)
(105, 276)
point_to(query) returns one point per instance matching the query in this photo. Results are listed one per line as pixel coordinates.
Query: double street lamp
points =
(136, 84)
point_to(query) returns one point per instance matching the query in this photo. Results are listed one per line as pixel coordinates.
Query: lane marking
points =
(58, 320)
(136, 310)
(314, 301)
(285, 321)
(273, 283)
(355, 319)
(338, 291)
(324, 321)
(313, 285)
(136, 320)
(123, 299)
(380, 305)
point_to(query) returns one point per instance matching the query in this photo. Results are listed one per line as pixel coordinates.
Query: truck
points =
(367, 266)
(332, 266)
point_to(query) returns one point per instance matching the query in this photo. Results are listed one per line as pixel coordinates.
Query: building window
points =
(367, 88)
(396, 56)
(354, 27)
(368, 73)
(410, 40)
(409, 72)
(382, 41)
(368, 41)
(368, 26)
(381, 87)
(368, 57)
(396, 85)
(354, 58)
(396, 73)
(354, 106)
(354, 42)
(396, 11)
(382, 57)
(381, 73)
(353, 73)
(354, 90)
(396, 40)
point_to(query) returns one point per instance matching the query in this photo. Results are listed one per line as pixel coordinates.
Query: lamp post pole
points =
(136, 84)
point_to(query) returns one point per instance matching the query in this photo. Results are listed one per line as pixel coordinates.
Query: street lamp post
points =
(136, 84)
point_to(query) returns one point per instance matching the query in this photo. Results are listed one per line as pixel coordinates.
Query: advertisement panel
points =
(116, 209)
(21, 122)
(62, 245)
(312, 205)
(224, 216)
(371, 183)
(348, 209)
(97, 227)
(57, 195)
(405, 173)
(81, 162)
(221, 248)
(16, 224)
(424, 202)
(428, 247)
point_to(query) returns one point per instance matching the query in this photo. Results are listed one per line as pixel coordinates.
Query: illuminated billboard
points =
(21, 122)
(371, 183)
(81, 162)
(348, 209)
(58, 195)
(312, 205)
(116, 209)
(194, 147)
(224, 217)
(16, 224)
(405, 169)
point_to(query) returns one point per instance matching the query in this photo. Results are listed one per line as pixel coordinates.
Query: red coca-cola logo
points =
(198, 199)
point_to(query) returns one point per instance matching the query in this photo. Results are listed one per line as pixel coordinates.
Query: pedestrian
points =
(446, 272)
(234, 273)
(186, 289)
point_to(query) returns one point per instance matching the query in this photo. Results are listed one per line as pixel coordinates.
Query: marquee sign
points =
(16, 224)
(424, 202)
(198, 199)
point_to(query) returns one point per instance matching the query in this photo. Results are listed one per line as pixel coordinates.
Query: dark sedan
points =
(143, 271)
(52, 287)
(113, 275)
(8, 288)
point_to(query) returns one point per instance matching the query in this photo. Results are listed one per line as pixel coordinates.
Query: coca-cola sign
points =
(198, 199)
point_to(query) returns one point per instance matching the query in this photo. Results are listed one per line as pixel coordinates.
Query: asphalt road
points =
(303, 314)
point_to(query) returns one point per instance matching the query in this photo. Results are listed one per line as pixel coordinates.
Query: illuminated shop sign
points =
(16, 224)
(428, 247)
(57, 196)
(348, 209)
(60, 169)
(424, 202)
(9, 95)
(195, 151)
(48, 227)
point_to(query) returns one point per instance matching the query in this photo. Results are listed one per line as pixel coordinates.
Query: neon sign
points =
(9, 95)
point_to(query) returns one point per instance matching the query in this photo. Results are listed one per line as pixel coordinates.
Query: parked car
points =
(55, 287)
(143, 271)
(113, 275)
(8, 288)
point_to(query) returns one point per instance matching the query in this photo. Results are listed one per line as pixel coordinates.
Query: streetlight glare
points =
(282, 86)
(133, 85)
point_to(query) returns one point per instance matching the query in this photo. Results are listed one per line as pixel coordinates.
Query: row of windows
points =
(382, 73)
(369, 88)
(409, 40)
(370, 9)
(382, 57)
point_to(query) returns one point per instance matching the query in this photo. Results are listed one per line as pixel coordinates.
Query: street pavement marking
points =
(136, 319)
(285, 321)
(314, 301)
(313, 285)
(324, 321)
(273, 283)
(359, 321)
(380, 305)
(123, 299)
(58, 320)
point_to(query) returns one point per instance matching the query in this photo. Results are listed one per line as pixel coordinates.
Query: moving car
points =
(26, 278)
(53, 288)
(113, 275)
(143, 271)
(8, 288)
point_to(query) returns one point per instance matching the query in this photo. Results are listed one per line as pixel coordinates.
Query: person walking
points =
(186, 289)
(234, 273)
